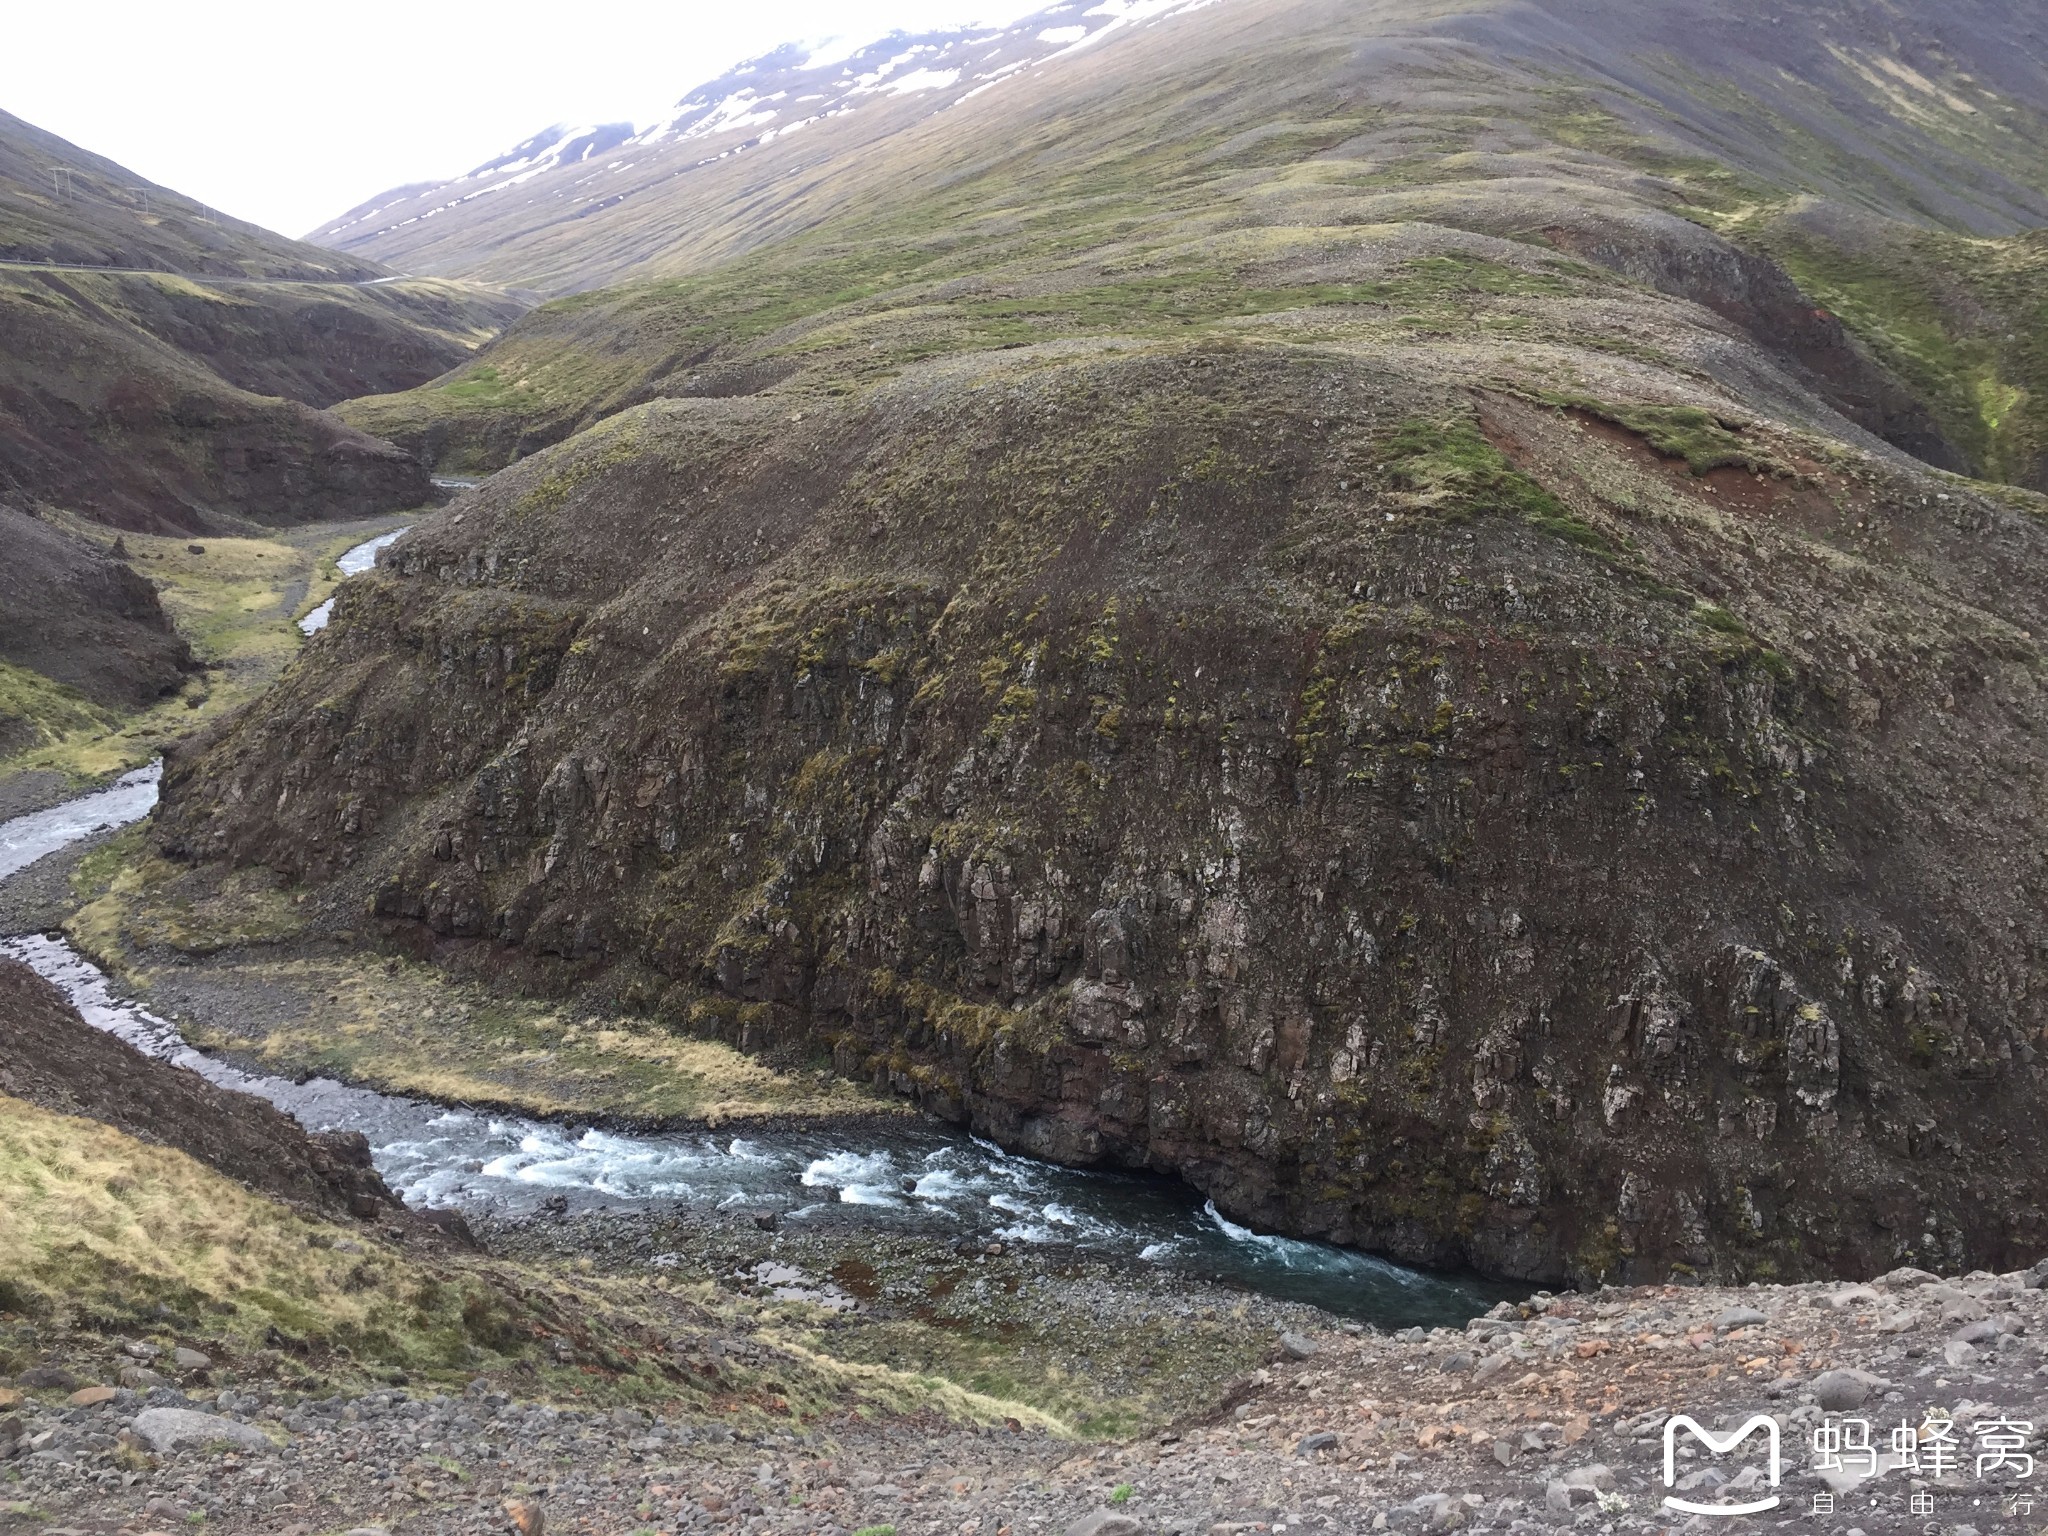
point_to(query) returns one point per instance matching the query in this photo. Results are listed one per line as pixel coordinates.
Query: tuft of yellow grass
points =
(93, 1220)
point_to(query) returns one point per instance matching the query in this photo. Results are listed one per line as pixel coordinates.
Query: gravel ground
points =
(32, 790)
(40, 899)
(1543, 1417)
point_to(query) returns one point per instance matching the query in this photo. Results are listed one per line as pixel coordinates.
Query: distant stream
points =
(922, 1179)
(354, 563)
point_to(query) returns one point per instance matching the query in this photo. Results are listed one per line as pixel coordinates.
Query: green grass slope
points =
(1933, 116)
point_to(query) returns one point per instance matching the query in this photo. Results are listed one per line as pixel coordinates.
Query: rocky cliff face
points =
(1419, 816)
(1308, 597)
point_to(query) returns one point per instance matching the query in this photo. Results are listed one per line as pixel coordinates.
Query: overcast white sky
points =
(286, 112)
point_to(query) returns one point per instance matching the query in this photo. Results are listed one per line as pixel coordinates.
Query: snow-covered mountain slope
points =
(854, 91)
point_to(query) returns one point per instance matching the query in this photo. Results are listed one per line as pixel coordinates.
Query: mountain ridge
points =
(63, 204)
(902, 78)
(1838, 129)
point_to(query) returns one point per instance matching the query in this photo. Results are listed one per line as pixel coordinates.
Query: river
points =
(922, 1178)
(354, 563)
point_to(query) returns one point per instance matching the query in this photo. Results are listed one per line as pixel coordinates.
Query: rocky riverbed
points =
(1543, 1416)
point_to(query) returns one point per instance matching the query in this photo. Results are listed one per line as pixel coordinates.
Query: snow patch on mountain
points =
(764, 99)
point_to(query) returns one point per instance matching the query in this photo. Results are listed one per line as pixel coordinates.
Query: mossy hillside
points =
(1964, 321)
(1704, 440)
(108, 216)
(128, 430)
(839, 323)
(36, 713)
(1225, 722)
(1132, 217)
(1938, 149)
(926, 689)
(312, 342)
(1138, 238)
(1234, 105)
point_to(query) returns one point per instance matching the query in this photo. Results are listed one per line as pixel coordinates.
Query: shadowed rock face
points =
(1621, 870)
(102, 418)
(72, 614)
(52, 1057)
(1753, 292)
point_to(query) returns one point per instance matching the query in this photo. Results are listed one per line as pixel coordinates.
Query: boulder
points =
(1297, 1346)
(1105, 1522)
(1492, 1366)
(1839, 1391)
(1907, 1277)
(1565, 1497)
(165, 1429)
(1743, 1317)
